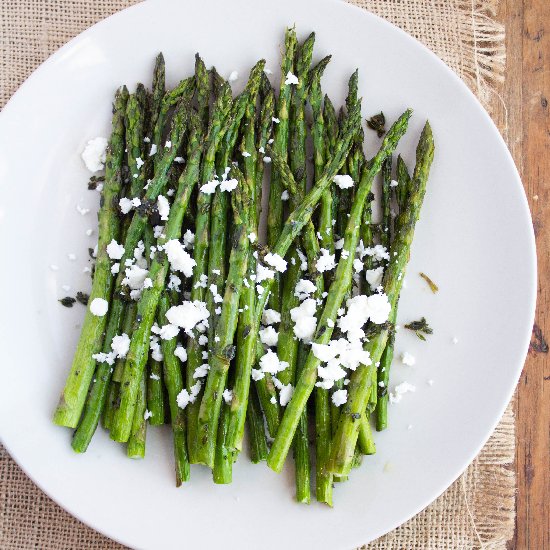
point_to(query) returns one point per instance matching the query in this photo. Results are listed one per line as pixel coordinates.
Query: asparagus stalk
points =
(136, 442)
(222, 350)
(342, 281)
(174, 382)
(256, 429)
(343, 442)
(73, 397)
(280, 144)
(219, 121)
(246, 351)
(403, 185)
(155, 391)
(147, 306)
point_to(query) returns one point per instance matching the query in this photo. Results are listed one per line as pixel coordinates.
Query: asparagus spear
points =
(343, 442)
(222, 350)
(256, 429)
(404, 182)
(155, 391)
(74, 394)
(136, 442)
(246, 353)
(280, 144)
(147, 306)
(338, 289)
(219, 120)
(174, 384)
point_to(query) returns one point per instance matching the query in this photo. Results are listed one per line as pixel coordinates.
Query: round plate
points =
(475, 240)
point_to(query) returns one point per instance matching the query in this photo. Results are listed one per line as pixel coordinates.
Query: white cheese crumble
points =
(285, 394)
(95, 154)
(263, 273)
(339, 397)
(276, 261)
(115, 251)
(304, 319)
(188, 314)
(303, 289)
(374, 277)
(252, 237)
(408, 359)
(267, 159)
(147, 414)
(269, 336)
(99, 307)
(181, 353)
(270, 363)
(229, 185)
(275, 120)
(188, 239)
(343, 181)
(233, 76)
(184, 397)
(179, 258)
(357, 265)
(291, 79)
(209, 187)
(246, 154)
(394, 183)
(82, 210)
(163, 207)
(270, 317)
(400, 390)
(285, 195)
(227, 396)
(326, 262)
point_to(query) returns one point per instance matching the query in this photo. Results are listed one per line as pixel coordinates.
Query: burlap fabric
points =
(477, 511)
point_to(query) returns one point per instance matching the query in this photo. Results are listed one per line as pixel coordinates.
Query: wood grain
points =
(526, 127)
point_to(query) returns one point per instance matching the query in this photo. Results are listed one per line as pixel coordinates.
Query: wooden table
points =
(526, 98)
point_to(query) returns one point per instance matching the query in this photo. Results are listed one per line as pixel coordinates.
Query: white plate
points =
(475, 240)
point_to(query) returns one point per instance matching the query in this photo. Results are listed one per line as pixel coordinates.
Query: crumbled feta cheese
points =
(229, 185)
(273, 400)
(202, 282)
(188, 239)
(345, 254)
(227, 396)
(163, 207)
(135, 277)
(89, 232)
(394, 183)
(303, 289)
(201, 371)
(408, 359)
(276, 261)
(269, 363)
(181, 353)
(95, 154)
(72, 257)
(168, 144)
(374, 277)
(260, 289)
(275, 120)
(66, 288)
(270, 317)
(343, 181)
(339, 244)
(330, 323)
(357, 265)
(285, 394)
(209, 187)
(233, 76)
(291, 79)
(120, 345)
(257, 374)
(81, 210)
(269, 336)
(188, 314)
(179, 258)
(153, 150)
(326, 262)
(125, 205)
(252, 237)
(139, 163)
(339, 397)
(246, 154)
(401, 389)
(99, 307)
(285, 195)
(263, 273)
(115, 251)
(267, 159)
(304, 319)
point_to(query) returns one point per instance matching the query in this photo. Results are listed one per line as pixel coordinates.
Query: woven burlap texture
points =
(477, 511)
